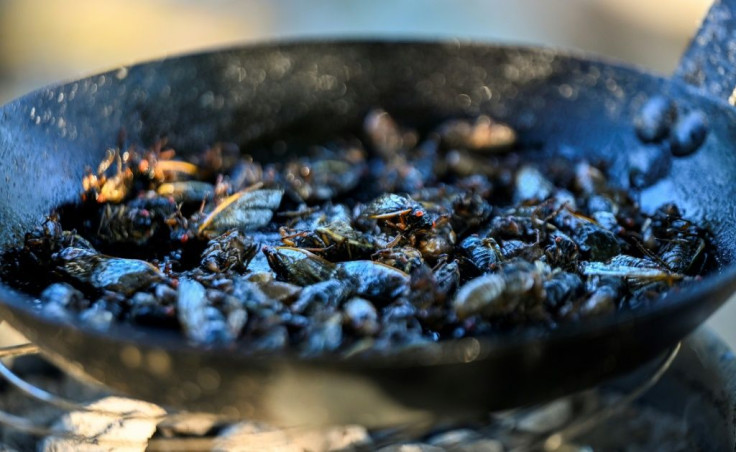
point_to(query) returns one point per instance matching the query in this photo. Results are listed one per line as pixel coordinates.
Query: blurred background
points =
(43, 41)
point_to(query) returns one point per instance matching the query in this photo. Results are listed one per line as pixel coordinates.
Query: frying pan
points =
(557, 101)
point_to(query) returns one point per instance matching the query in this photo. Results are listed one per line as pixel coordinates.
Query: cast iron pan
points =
(308, 90)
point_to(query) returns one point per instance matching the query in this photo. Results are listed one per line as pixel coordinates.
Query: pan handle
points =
(709, 62)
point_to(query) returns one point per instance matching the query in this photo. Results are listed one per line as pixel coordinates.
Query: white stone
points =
(415, 447)
(251, 436)
(481, 445)
(110, 431)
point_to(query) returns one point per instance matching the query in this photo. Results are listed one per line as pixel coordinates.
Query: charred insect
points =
(48, 238)
(483, 135)
(65, 296)
(323, 179)
(529, 251)
(404, 258)
(204, 323)
(103, 188)
(589, 180)
(482, 295)
(483, 254)
(121, 224)
(594, 241)
(635, 270)
(531, 185)
(360, 315)
(346, 240)
(308, 240)
(681, 242)
(299, 266)
(561, 288)
(398, 212)
(447, 278)
(105, 272)
(469, 211)
(510, 225)
(423, 293)
(604, 297)
(384, 134)
(438, 241)
(680, 253)
(429, 290)
(517, 288)
(335, 241)
(189, 191)
(655, 118)
(281, 291)
(157, 164)
(325, 295)
(374, 280)
(246, 210)
(607, 220)
(323, 334)
(310, 218)
(400, 176)
(562, 251)
(231, 250)
(134, 222)
(244, 173)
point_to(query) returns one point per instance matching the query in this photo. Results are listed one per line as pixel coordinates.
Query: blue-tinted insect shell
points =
(655, 119)
(688, 134)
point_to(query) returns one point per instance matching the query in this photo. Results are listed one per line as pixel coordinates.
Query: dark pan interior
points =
(305, 91)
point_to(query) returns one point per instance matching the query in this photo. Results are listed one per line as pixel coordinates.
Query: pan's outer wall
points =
(251, 95)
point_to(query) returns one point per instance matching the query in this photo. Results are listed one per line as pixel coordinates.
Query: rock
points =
(188, 424)
(111, 432)
(454, 437)
(412, 447)
(343, 438)
(252, 436)
(481, 445)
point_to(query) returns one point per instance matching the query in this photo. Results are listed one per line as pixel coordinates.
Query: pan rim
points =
(347, 40)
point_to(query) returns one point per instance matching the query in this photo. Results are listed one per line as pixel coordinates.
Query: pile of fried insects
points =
(357, 245)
